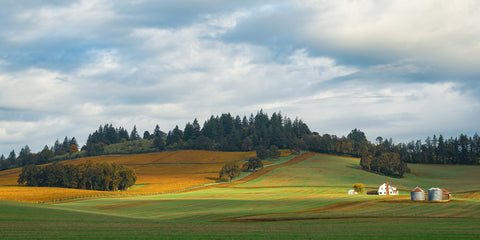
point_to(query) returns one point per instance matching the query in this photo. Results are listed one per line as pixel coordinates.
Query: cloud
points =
(432, 34)
(34, 89)
(404, 111)
(388, 68)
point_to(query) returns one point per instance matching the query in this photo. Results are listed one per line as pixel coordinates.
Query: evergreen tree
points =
(159, 143)
(134, 134)
(158, 133)
(25, 151)
(11, 158)
(195, 130)
(146, 135)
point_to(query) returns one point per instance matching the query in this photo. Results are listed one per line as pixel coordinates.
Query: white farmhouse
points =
(387, 189)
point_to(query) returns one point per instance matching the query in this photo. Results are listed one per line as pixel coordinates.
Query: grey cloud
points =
(149, 62)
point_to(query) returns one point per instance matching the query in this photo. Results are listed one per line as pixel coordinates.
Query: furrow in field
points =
(259, 173)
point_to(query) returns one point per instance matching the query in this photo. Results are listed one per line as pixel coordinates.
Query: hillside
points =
(301, 198)
(156, 173)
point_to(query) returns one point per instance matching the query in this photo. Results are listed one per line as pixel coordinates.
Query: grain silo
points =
(434, 194)
(417, 194)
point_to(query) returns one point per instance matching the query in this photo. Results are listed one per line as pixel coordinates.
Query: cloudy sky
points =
(400, 69)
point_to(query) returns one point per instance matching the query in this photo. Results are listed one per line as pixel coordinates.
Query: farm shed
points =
(446, 196)
(417, 194)
(387, 189)
(373, 192)
(351, 192)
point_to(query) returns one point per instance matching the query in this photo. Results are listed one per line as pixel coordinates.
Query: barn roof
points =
(445, 191)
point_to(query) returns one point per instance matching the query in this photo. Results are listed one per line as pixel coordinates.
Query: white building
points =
(351, 192)
(387, 189)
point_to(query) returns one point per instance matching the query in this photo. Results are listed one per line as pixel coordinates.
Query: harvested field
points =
(156, 173)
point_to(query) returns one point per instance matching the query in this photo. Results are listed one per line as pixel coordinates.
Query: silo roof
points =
(417, 189)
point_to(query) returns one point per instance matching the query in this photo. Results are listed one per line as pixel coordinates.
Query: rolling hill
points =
(302, 197)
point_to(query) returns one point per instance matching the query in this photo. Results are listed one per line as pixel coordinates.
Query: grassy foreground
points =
(305, 200)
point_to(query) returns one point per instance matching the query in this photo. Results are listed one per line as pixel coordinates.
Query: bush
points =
(253, 163)
(359, 187)
(229, 171)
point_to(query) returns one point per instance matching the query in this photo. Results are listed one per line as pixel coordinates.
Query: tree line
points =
(458, 150)
(47, 155)
(258, 132)
(93, 176)
(219, 133)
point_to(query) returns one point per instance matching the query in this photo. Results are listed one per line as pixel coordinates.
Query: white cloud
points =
(35, 89)
(104, 61)
(443, 33)
(404, 111)
(81, 19)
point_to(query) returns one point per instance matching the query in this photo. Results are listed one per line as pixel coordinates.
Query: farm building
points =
(387, 189)
(446, 196)
(373, 192)
(417, 194)
(351, 192)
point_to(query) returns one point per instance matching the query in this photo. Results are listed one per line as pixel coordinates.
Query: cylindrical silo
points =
(434, 194)
(417, 194)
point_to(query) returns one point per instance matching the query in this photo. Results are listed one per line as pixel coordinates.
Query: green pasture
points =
(307, 200)
(341, 173)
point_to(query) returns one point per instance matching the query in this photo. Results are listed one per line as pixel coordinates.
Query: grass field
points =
(301, 198)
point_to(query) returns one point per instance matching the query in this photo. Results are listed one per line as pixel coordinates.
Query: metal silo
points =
(434, 194)
(417, 194)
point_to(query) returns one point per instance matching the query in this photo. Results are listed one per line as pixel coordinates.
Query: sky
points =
(397, 69)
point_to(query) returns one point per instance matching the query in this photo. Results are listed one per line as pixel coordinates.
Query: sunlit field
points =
(299, 197)
(156, 173)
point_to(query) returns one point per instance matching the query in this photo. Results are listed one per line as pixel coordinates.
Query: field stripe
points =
(259, 173)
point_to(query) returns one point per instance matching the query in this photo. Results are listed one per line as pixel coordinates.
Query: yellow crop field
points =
(9, 177)
(47, 194)
(178, 157)
(156, 173)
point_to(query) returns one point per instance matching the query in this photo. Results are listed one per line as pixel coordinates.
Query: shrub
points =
(359, 187)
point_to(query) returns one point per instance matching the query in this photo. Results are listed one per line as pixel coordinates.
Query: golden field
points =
(156, 173)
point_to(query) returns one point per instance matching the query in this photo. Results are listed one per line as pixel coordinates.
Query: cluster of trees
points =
(67, 146)
(374, 158)
(387, 163)
(355, 144)
(107, 134)
(272, 152)
(229, 171)
(252, 164)
(26, 157)
(233, 169)
(94, 176)
(229, 133)
(459, 150)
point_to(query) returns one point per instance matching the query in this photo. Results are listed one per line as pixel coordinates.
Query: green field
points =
(306, 200)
